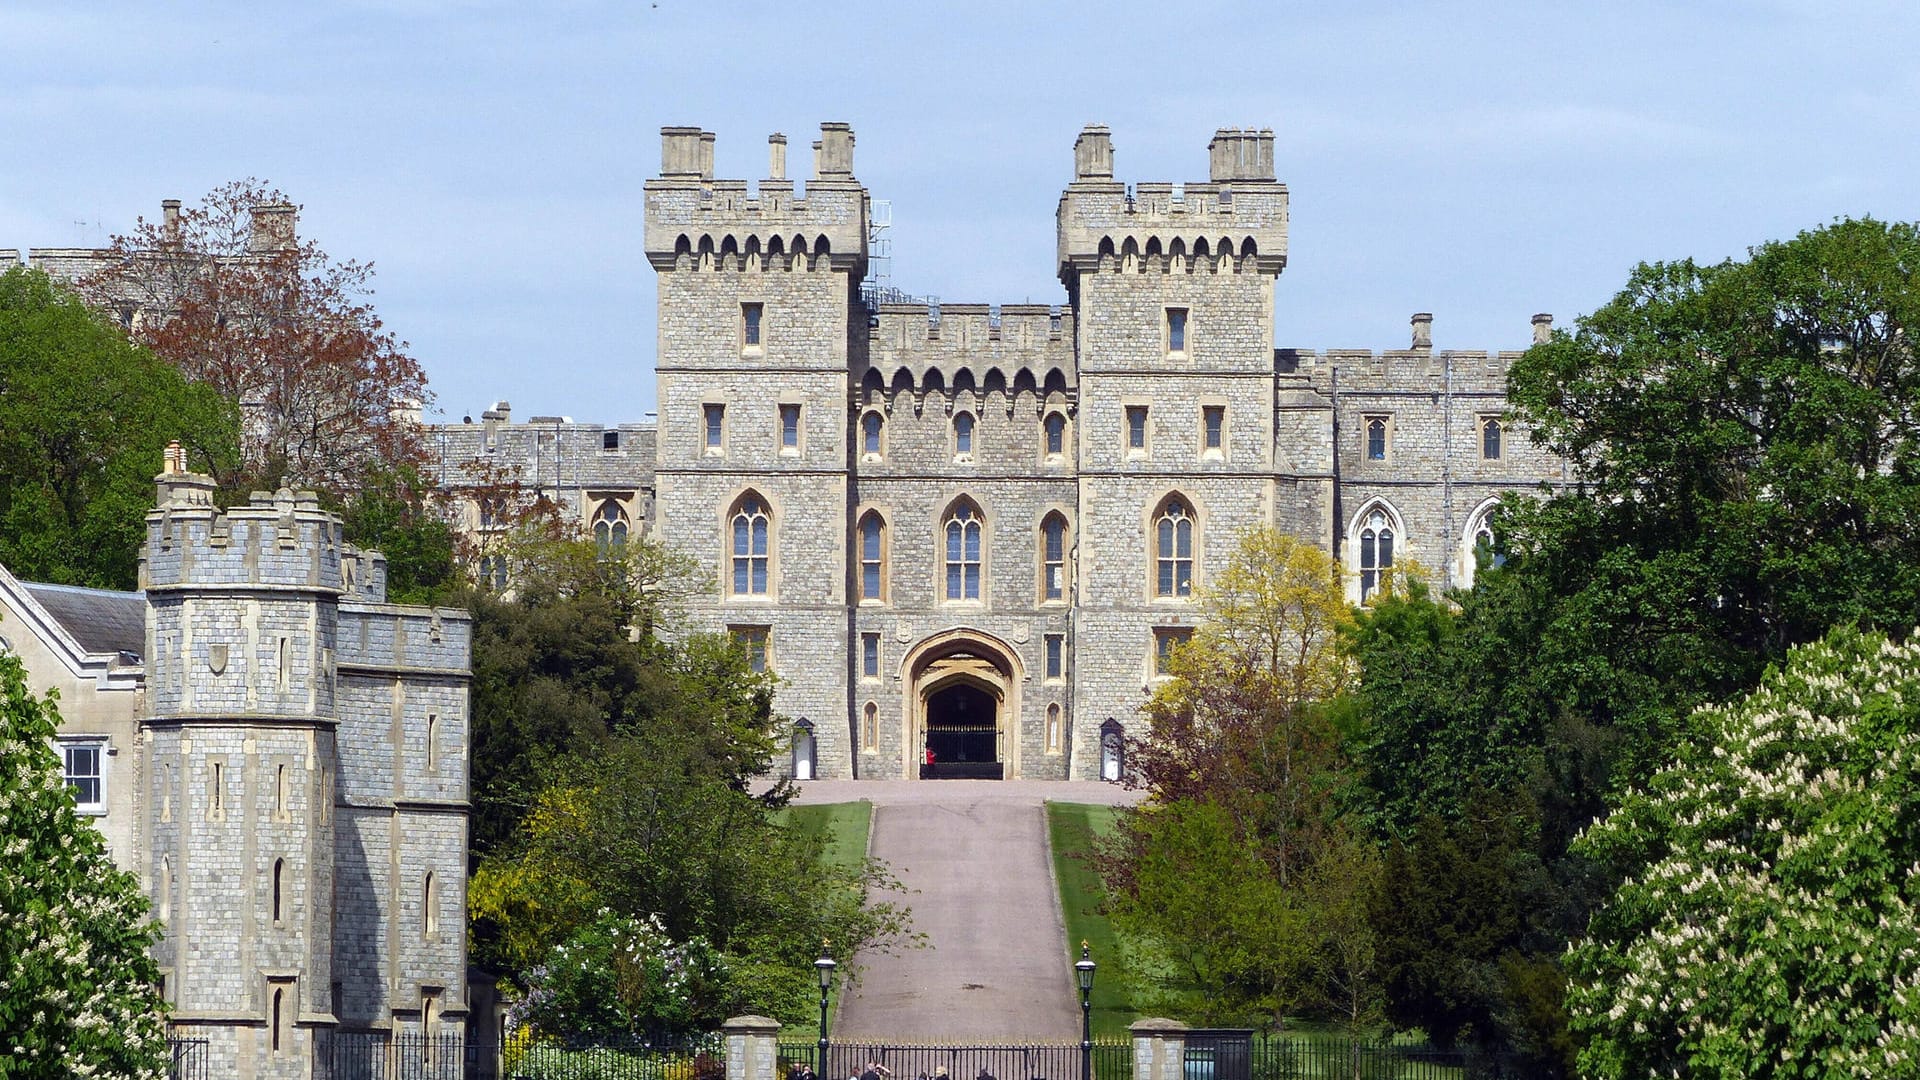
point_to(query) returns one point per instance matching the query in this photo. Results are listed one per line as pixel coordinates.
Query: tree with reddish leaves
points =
(227, 292)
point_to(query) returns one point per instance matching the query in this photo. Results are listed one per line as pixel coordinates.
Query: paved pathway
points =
(974, 855)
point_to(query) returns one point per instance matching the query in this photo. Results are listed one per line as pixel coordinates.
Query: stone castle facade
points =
(975, 530)
(280, 755)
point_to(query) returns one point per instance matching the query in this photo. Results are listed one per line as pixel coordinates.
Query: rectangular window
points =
(752, 639)
(1056, 656)
(750, 325)
(609, 440)
(716, 418)
(869, 656)
(1137, 428)
(1176, 329)
(1165, 640)
(1214, 419)
(790, 427)
(81, 768)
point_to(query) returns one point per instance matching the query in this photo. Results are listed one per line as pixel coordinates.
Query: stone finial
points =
(170, 222)
(272, 227)
(1542, 328)
(1093, 153)
(680, 152)
(1423, 330)
(836, 152)
(776, 156)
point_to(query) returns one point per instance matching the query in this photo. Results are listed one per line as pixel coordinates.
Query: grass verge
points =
(843, 825)
(1071, 830)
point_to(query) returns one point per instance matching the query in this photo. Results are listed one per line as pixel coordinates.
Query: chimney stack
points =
(680, 153)
(1237, 154)
(1093, 153)
(170, 222)
(1423, 330)
(776, 156)
(1542, 328)
(836, 152)
(272, 228)
(706, 155)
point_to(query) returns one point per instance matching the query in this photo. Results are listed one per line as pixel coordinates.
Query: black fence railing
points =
(379, 1055)
(613, 1058)
(1333, 1057)
(188, 1059)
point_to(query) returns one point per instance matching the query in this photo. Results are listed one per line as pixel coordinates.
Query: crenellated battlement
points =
(694, 221)
(932, 347)
(1234, 222)
(279, 541)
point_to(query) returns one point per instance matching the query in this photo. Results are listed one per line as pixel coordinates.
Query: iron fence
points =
(618, 1057)
(1335, 1057)
(380, 1055)
(188, 1059)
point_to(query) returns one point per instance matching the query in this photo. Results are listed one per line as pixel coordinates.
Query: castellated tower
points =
(760, 319)
(241, 746)
(304, 785)
(1172, 289)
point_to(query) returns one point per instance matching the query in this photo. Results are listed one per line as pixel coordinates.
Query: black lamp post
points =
(1083, 968)
(824, 966)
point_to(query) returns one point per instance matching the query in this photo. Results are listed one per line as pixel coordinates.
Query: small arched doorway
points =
(1113, 751)
(963, 712)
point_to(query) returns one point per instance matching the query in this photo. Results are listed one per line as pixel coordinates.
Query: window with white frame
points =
(1173, 549)
(1376, 550)
(752, 546)
(1053, 557)
(963, 531)
(873, 539)
(83, 765)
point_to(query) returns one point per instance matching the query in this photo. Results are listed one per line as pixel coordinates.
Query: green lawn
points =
(844, 825)
(1071, 827)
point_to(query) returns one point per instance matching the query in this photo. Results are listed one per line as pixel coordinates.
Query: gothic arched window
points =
(1490, 438)
(963, 552)
(609, 528)
(752, 545)
(1053, 557)
(1173, 549)
(871, 428)
(1376, 549)
(872, 557)
(1376, 438)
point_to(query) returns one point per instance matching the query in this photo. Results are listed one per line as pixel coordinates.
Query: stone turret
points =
(240, 736)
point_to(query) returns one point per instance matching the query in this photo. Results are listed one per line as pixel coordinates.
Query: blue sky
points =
(1480, 161)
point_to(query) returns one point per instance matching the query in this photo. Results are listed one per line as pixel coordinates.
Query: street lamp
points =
(1083, 968)
(825, 966)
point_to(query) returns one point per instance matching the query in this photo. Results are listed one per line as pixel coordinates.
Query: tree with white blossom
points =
(1766, 926)
(78, 994)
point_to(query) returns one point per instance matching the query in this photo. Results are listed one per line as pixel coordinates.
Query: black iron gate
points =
(188, 1059)
(940, 1061)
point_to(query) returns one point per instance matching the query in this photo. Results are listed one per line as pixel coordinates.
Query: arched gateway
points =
(964, 706)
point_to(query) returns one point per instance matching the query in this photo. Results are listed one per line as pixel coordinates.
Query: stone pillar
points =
(776, 156)
(1423, 330)
(752, 1048)
(1159, 1050)
(1542, 328)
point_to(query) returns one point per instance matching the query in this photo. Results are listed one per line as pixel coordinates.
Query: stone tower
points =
(760, 322)
(1172, 291)
(241, 757)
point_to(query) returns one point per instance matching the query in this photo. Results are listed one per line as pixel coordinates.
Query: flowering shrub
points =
(76, 981)
(1767, 925)
(625, 975)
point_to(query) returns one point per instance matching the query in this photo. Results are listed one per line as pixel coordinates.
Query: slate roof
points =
(101, 620)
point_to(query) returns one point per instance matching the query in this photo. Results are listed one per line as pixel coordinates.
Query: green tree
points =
(1766, 923)
(84, 418)
(1239, 873)
(77, 984)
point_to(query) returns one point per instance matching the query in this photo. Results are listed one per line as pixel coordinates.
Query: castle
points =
(280, 756)
(971, 533)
